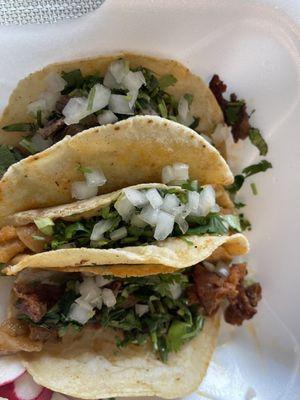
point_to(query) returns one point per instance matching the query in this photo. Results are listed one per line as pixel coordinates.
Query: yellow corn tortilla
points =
(173, 252)
(129, 152)
(91, 368)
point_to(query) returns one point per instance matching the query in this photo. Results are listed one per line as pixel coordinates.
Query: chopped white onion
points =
(149, 215)
(51, 99)
(100, 98)
(108, 297)
(193, 201)
(55, 83)
(119, 69)
(124, 207)
(101, 227)
(119, 233)
(220, 134)
(110, 82)
(148, 111)
(175, 172)
(167, 174)
(184, 116)
(137, 221)
(107, 117)
(222, 269)
(119, 104)
(207, 201)
(181, 171)
(170, 203)
(81, 190)
(141, 309)
(80, 314)
(89, 291)
(75, 110)
(102, 281)
(176, 290)
(39, 143)
(209, 266)
(35, 106)
(95, 177)
(164, 226)
(136, 197)
(133, 80)
(154, 198)
(183, 225)
(215, 208)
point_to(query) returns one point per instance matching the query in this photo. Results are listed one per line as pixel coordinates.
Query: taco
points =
(143, 224)
(95, 335)
(62, 100)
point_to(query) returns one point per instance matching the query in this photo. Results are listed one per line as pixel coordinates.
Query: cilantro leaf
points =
(7, 158)
(258, 141)
(19, 127)
(233, 110)
(262, 166)
(237, 184)
(74, 80)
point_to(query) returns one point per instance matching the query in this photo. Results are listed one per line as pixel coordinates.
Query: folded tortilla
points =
(172, 252)
(129, 152)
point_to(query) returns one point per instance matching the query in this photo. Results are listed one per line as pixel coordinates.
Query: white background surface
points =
(255, 49)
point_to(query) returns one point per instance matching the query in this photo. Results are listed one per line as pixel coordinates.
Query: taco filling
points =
(74, 102)
(134, 216)
(165, 310)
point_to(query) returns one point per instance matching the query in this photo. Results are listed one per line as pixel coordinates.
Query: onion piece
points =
(119, 104)
(170, 203)
(154, 198)
(118, 233)
(175, 172)
(102, 281)
(175, 290)
(149, 215)
(133, 80)
(222, 269)
(164, 226)
(51, 99)
(183, 225)
(108, 297)
(98, 98)
(137, 221)
(55, 83)
(193, 201)
(136, 197)
(119, 69)
(124, 207)
(80, 314)
(184, 116)
(167, 174)
(141, 309)
(89, 290)
(101, 227)
(209, 266)
(107, 117)
(95, 177)
(80, 190)
(35, 106)
(75, 110)
(220, 134)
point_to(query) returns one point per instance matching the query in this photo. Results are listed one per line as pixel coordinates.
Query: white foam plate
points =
(255, 49)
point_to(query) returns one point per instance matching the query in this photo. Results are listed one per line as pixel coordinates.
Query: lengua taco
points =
(88, 333)
(142, 224)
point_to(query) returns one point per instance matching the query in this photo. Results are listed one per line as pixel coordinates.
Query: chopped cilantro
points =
(84, 170)
(258, 141)
(233, 110)
(245, 223)
(26, 143)
(262, 166)
(20, 127)
(237, 184)
(239, 205)
(189, 98)
(74, 80)
(8, 157)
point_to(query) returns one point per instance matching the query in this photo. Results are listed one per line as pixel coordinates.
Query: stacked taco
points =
(123, 240)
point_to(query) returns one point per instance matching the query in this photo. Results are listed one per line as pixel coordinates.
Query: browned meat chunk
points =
(243, 307)
(35, 301)
(210, 290)
(52, 128)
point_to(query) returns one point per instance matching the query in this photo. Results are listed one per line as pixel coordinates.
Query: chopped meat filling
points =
(41, 334)
(35, 301)
(210, 290)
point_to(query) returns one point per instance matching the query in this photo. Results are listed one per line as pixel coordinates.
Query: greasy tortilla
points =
(92, 368)
(129, 152)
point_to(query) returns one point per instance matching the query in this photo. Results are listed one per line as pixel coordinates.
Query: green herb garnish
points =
(20, 127)
(166, 80)
(258, 141)
(254, 189)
